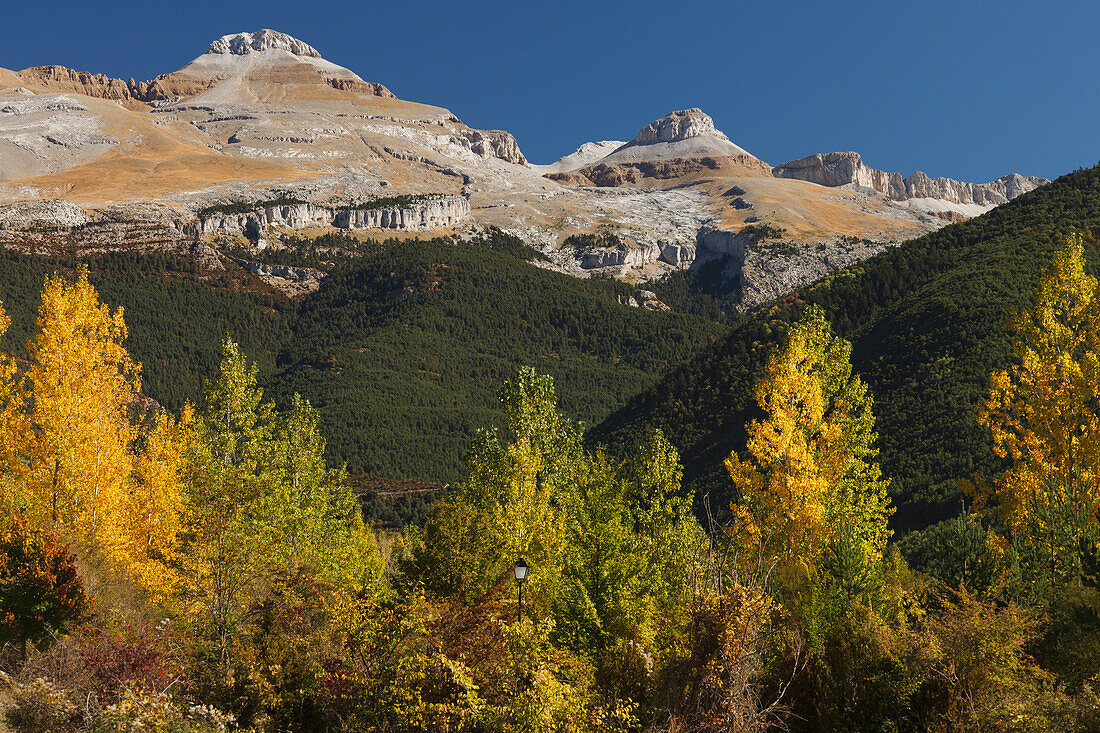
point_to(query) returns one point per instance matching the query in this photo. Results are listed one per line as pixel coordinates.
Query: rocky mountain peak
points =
(241, 44)
(685, 133)
(677, 126)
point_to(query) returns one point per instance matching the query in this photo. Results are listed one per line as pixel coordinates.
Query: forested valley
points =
(202, 562)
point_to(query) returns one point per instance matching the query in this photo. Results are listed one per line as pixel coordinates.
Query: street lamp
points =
(521, 575)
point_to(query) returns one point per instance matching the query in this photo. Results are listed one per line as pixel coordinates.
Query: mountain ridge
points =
(848, 168)
(262, 117)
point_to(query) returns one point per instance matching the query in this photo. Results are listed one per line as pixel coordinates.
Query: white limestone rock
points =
(445, 211)
(494, 144)
(626, 256)
(241, 44)
(677, 255)
(430, 213)
(298, 216)
(688, 133)
(36, 214)
(677, 126)
(848, 168)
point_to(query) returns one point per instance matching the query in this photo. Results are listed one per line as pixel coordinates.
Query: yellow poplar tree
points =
(143, 530)
(82, 383)
(811, 480)
(1044, 415)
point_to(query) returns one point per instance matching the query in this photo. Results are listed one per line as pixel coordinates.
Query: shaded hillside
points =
(176, 319)
(404, 351)
(928, 324)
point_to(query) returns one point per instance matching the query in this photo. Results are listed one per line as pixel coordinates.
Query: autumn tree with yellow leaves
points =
(80, 387)
(811, 489)
(1044, 415)
(144, 530)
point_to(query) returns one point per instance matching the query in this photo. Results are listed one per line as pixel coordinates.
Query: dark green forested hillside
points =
(176, 320)
(928, 321)
(403, 351)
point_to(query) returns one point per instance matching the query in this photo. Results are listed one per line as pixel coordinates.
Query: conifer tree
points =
(15, 433)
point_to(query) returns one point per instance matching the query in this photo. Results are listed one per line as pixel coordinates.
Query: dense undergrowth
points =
(207, 571)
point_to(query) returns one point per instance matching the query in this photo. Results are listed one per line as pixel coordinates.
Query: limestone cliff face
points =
(995, 193)
(435, 212)
(60, 78)
(298, 216)
(637, 255)
(130, 94)
(678, 255)
(495, 144)
(250, 226)
(371, 88)
(625, 256)
(839, 169)
(431, 214)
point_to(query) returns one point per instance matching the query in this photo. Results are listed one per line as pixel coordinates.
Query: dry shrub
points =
(719, 685)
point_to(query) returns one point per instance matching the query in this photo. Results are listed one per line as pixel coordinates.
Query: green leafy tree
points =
(261, 503)
(611, 546)
(511, 504)
(313, 515)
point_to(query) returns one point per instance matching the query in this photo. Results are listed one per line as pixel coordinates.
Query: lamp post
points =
(521, 575)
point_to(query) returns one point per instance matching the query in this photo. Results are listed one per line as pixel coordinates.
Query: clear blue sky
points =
(969, 90)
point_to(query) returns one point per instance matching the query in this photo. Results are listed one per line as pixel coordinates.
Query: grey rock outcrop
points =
(839, 169)
(50, 213)
(995, 193)
(430, 213)
(40, 105)
(241, 44)
(646, 299)
(714, 242)
(686, 133)
(678, 255)
(298, 216)
(289, 273)
(636, 255)
(443, 211)
(248, 225)
(677, 126)
(624, 256)
(495, 144)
